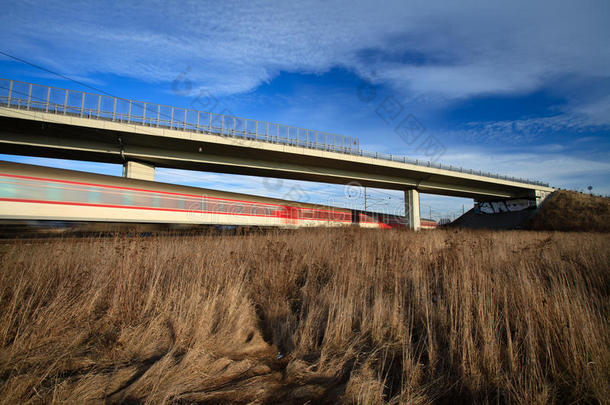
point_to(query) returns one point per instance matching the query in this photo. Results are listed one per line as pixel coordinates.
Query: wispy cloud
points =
(523, 131)
(560, 168)
(462, 48)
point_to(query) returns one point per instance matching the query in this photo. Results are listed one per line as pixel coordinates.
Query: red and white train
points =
(30, 192)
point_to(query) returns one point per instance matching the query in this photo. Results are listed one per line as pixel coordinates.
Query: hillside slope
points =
(572, 211)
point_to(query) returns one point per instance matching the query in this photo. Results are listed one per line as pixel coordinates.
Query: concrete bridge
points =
(46, 121)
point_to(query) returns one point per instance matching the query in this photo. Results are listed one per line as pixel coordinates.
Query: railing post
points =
(171, 119)
(267, 131)
(197, 127)
(48, 99)
(65, 102)
(222, 124)
(10, 93)
(158, 114)
(234, 122)
(129, 113)
(29, 96)
(82, 105)
(210, 123)
(99, 105)
(144, 115)
(114, 110)
(184, 126)
(246, 128)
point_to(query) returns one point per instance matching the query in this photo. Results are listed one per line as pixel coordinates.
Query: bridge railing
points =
(34, 97)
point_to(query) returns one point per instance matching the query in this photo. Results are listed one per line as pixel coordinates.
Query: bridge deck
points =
(78, 125)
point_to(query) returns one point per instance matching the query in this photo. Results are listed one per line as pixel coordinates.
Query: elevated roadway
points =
(59, 123)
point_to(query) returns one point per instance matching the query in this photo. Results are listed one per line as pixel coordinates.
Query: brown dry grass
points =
(360, 316)
(568, 210)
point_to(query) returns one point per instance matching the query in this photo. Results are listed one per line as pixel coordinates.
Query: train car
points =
(387, 221)
(29, 192)
(428, 223)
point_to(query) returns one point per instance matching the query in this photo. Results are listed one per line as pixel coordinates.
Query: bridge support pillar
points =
(540, 196)
(140, 171)
(412, 209)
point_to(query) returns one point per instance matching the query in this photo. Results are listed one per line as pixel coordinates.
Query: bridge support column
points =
(412, 209)
(540, 196)
(140, 171)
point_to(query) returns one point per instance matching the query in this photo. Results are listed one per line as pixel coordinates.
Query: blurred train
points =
(38, 193)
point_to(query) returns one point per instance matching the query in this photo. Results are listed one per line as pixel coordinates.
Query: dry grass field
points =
(356, 316)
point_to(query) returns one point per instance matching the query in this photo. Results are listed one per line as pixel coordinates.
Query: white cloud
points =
(597, 112)
(523, 131)
(461, 48)
(558, 168)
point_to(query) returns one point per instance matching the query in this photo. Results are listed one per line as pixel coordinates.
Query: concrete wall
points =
(139, 171)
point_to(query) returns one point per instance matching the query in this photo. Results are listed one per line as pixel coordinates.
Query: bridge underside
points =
(47, 135)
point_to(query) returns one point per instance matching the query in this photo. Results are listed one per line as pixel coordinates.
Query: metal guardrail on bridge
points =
(29, 96)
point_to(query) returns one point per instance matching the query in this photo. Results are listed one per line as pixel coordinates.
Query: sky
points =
(519, 88)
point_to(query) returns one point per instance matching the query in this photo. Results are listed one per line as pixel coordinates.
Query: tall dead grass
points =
(356, 316)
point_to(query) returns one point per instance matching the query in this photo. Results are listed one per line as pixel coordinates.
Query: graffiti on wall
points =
(495, 207)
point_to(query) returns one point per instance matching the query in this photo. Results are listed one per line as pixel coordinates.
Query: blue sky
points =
(521, 89)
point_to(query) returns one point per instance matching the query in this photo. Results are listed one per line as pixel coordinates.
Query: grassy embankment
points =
(568, 210)
(359, 316)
